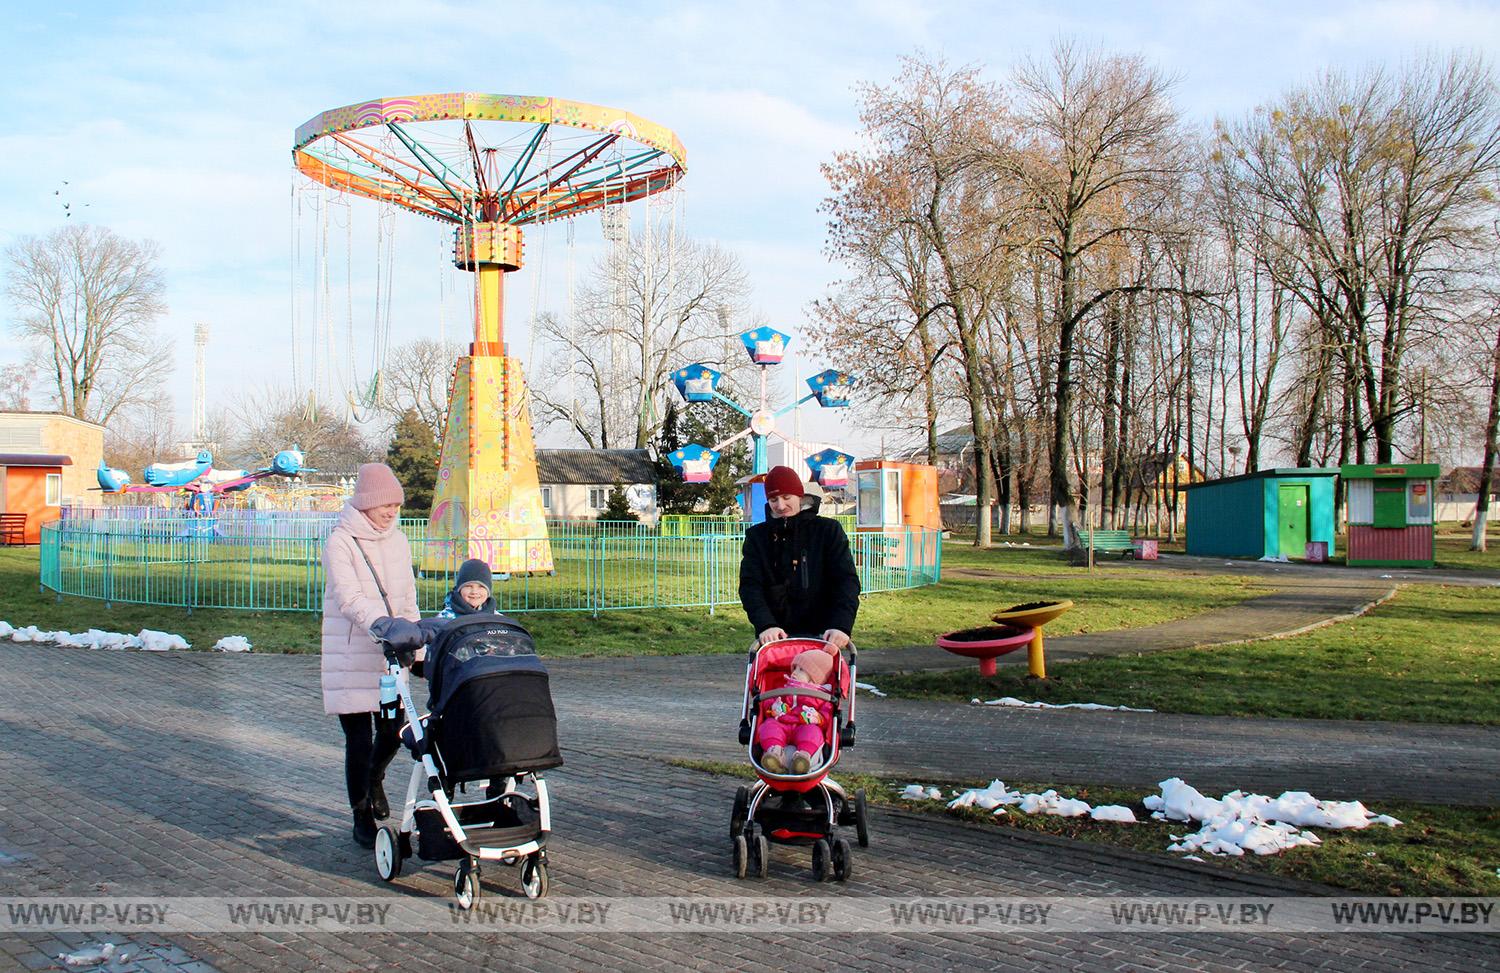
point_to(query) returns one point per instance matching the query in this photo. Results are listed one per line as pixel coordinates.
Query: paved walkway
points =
(202, 774)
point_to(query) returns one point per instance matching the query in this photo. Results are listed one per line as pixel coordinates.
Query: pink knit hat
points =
(815, 662)
(376, 487)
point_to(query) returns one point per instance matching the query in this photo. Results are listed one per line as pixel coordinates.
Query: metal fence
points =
(273, 562)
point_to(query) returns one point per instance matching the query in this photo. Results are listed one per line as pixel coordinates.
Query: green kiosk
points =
(1268, 514)
(1390, 507)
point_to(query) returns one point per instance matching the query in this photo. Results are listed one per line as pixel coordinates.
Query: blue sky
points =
(173, 121)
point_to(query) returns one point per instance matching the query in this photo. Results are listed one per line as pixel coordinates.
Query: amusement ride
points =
(489, 165)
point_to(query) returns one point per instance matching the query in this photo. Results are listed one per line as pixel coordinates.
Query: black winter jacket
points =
(797, 574)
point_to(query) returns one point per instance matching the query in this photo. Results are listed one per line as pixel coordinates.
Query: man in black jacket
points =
(797, 577)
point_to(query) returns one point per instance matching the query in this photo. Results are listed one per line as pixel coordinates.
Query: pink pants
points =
(801, 736)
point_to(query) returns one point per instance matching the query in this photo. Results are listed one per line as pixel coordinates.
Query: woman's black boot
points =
(364, 825)
(378, 804)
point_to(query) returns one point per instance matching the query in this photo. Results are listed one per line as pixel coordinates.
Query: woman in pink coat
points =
(368, 574)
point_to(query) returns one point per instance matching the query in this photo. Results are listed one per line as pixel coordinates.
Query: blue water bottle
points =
(390, 703)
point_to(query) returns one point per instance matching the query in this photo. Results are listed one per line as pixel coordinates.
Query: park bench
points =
(12, 529)
(1106, 542)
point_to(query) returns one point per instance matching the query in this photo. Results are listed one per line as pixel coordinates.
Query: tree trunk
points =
(1067, 327)
(1486, 472)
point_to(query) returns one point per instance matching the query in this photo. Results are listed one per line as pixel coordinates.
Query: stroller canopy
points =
(475, 646)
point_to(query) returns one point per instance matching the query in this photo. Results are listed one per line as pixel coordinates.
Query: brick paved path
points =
(196, 774)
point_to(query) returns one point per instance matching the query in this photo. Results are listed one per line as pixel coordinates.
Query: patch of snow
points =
(990, 797)
(1051, 802)
(1261, 825)
(233, 643)
(1012, 701)
(89, 955)
(1278, 559)
(5, 630)
(916, 792)
(1191, 858)
(152, 641)
(1113, 812)
(869, 689)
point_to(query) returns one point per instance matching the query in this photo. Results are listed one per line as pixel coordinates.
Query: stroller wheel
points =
(761, 852)
(741, 856)
(404, 843)
(820, 856)
(861, 825)
(466, 884)
(740, 812)
(843, 860)
(534, 876)
(387, 853)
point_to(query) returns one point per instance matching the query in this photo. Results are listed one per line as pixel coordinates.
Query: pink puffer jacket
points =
(352, 661)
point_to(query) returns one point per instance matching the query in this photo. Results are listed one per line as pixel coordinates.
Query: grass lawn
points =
(1430, 655)
(1436, 851)
(975, 584)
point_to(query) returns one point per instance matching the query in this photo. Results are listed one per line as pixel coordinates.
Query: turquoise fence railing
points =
(273, 562)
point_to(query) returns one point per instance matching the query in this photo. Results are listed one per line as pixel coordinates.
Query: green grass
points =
(976, 583)
(1430, 655)
(1436, 851)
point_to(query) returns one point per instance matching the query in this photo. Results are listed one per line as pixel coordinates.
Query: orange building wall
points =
(26, 492)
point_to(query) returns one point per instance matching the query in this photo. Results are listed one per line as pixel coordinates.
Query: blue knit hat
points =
(474, 571)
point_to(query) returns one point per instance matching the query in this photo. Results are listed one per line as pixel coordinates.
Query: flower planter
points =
(986, 644)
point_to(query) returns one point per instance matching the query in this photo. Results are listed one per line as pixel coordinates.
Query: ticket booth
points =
(893, 499)
(31, 486)
(1390, 508)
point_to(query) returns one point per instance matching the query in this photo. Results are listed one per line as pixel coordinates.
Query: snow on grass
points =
(233, 643)
(1235, 824)
(868, 688)
(916, 792)
(1012, 701)
(146, 640)
(1240, 822)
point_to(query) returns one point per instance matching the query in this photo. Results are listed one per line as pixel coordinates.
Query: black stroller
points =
(491, 731)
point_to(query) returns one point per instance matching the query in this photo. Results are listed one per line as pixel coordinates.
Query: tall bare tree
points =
(666, 302)
(1384, 180)
(932, 130)
(87, 299)
(1103, 158)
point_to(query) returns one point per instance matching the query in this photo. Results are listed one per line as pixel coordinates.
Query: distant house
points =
(576, 482)
(1458, 492)
(47, 461)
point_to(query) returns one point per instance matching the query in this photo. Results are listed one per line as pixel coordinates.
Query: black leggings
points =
(370, 743)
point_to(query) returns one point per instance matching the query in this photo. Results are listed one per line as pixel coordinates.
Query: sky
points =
(173, 122)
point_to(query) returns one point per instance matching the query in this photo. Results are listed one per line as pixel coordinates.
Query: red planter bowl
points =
(987, 644)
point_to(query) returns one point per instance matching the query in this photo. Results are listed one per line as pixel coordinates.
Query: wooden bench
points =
(12, 529)
(1106, 542)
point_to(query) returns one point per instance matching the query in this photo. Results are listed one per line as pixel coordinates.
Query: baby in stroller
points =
(795, 728)
(794, 724)
(490, 732)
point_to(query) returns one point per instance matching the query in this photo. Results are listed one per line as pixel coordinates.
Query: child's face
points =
(800, 674)
(474, 594)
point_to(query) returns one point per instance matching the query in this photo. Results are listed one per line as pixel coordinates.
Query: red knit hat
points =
(376, 487)
(817, 663)
(783, 480)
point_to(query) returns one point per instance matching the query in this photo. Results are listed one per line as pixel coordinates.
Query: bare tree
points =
(934, 128)
(418, 377)
(87, 300)
(141, 436)
(273, 419)
(1384, 182)
(1103, 158)
(666, 303)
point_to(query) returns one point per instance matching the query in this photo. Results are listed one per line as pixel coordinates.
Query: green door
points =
(1292, 519)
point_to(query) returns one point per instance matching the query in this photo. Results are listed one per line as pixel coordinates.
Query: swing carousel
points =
(488, 165)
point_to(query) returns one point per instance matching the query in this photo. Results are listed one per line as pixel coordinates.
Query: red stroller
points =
(790, 808)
